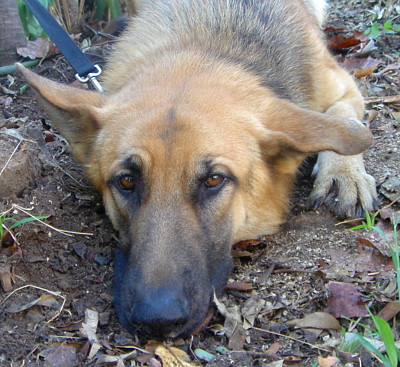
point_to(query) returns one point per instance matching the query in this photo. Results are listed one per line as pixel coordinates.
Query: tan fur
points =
(176, 111)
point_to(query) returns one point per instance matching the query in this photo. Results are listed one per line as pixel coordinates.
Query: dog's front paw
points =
(342, 183)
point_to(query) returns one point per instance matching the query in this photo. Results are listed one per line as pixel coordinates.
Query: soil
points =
(50, 278)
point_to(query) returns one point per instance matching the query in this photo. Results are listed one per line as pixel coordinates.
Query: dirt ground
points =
(280, 279)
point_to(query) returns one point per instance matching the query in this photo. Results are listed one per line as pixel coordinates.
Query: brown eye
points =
(126, 182)
(214, 181)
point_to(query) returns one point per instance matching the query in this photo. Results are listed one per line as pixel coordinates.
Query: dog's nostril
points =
(162, 311)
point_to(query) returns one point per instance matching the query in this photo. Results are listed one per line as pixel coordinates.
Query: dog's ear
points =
(73, 111)
(301, 131)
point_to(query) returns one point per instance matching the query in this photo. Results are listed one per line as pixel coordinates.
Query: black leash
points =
(85, 69)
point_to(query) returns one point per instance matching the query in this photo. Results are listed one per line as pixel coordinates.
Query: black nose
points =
(161, 311)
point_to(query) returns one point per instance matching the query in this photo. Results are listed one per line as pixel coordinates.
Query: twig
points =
(291, 338)
(386, 99)
(132, 347)
(55, 294)
(62, 231)
(11, 234)
(393, 202)
(9, 159)
(347, 221)
(68, 174)
(305, 271)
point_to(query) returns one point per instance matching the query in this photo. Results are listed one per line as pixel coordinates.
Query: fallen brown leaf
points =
(173, 357)
(247, 243)
(239, 286)
(6, 277)
(317, 320)
(389, 311)
(39, 48)
(345, 300)
(360, 67)
(238, 253)
(274, 349)
(63, 356)
(328, 361)
(339, 42)
(237, 340)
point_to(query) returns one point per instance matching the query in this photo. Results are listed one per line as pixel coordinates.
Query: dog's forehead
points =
(172, 141)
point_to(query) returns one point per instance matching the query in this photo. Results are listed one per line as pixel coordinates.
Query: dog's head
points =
(186, 170)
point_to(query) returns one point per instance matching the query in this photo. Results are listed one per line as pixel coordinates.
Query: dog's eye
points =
(214, 181)
(127, 183)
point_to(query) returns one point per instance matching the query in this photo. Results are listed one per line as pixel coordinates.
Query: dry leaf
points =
(6, 277)
(360, 67)
(40, 48)
(239, 286)
(247, 243)
(48, 300)
(273, 349)
(173, 357)
(15, 308)
(89, 327)
(389, 311)
(63, 356)
(237, 253)
(339, 42)
(345, 300)
(233, 318)
(317, 320)
(328, 362)
(251, 310)
(237, 340)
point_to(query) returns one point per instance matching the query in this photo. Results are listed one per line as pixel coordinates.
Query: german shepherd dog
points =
(210, 107)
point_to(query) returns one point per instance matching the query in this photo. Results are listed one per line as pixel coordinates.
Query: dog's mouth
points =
(170, 310)
(166, 328)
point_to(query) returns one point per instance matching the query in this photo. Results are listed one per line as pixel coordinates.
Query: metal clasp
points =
(91, 77)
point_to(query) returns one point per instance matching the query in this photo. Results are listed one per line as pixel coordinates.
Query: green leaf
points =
(386, 335)
(374, 31)
(25, 220)
(360, 226)
(387, 26)
(373, 350)
(113, 7)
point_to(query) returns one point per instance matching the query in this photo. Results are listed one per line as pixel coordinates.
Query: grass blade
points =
(25, 220)
(367, 345)
(386, 335)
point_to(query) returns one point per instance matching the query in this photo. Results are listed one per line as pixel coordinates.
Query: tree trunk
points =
(11, 32)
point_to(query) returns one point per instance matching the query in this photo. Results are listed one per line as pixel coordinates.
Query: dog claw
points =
(343, 184)
(315, 204)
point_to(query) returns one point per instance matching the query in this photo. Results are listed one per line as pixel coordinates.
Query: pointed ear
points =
(73, 111)
(292, 128)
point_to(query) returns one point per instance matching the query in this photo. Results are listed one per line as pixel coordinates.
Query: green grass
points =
(31, 26)
(382, 331)
(368, 223)
(377, 30)
(5, 228)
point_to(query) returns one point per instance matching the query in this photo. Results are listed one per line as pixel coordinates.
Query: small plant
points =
(31, 26)
(383, 330)
(377, 29)
(369, 222)
(101, 7)
(392, 356)
(15, 223)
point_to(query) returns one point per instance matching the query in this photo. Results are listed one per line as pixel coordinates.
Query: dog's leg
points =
(341, 181)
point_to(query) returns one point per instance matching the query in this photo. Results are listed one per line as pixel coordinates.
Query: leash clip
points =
(91, 77)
